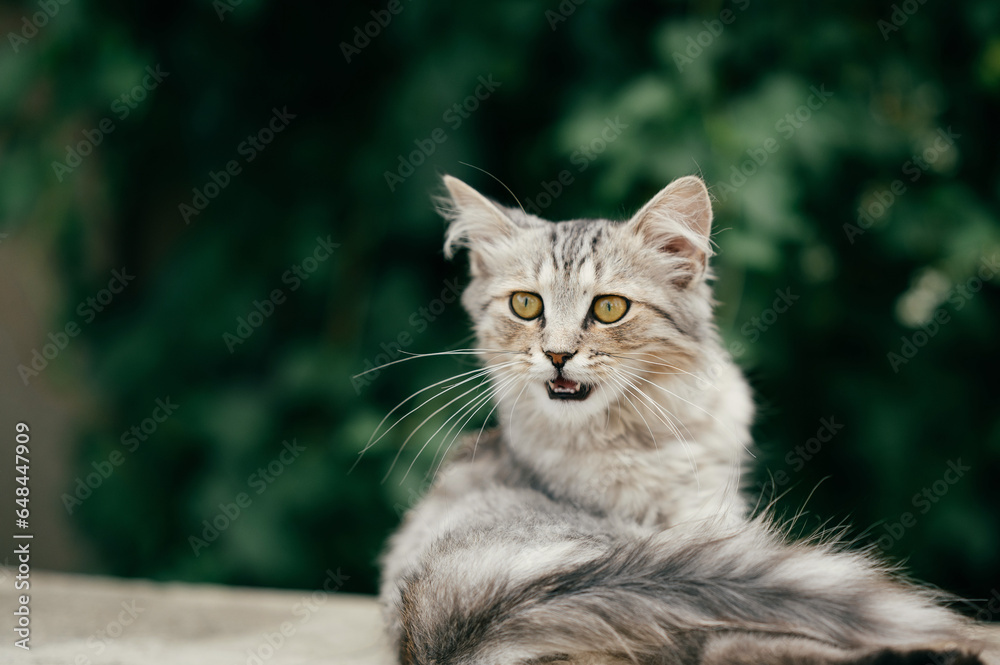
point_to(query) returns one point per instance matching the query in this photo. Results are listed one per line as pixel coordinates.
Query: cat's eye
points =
(608, 309)
(526, 305)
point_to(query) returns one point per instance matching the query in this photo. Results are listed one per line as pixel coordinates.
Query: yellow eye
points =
(609, 309)
(526, 305)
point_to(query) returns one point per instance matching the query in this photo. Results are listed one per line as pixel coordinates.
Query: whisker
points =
(470, 408)
(659, 406)
(619, 400)
(607, 405)
(498, 180)
(640, 394)
(510, 427)
(498, 400)
(662, 363)
(475, 374)
(468, 338)
(637, 392)
(647, 371)
(724, 426)
(424, 422)
(506, 387)
(625, 395)
(457, 416)
(457, 352)
(664, 417)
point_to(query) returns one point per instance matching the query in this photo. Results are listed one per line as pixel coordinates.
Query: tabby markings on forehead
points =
(598, 234)
(572, 242)
(579, 235)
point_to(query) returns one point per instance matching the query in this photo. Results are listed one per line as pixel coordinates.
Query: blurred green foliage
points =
(693, 89)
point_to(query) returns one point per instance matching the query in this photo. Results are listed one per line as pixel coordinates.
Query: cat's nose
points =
(559, 358)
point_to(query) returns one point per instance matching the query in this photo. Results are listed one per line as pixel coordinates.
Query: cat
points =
(603, 520)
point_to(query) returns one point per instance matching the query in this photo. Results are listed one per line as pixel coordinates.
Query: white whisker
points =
(457, 352)
(497, 404)
(607, 405)
(665, 418)
(736, 438)
(647, 371)
(659, 406)
(506, 387)
(424, 422)
(457, 416)
(511, 426)
(661, 363)
(475, 373)
(478, 399)
(625, 395)
(484, 397)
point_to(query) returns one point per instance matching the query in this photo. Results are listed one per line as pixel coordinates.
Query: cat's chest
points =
(649, 487)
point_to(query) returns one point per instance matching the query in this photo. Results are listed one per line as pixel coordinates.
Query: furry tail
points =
(666, 598)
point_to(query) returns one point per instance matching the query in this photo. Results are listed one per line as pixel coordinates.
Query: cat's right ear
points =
(475, 222)
(678, 222)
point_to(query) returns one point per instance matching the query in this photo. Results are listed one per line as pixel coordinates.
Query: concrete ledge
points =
(78, 620)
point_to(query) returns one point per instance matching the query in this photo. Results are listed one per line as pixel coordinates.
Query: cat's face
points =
(579, 316)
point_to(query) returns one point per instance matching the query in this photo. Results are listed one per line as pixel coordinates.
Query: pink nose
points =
(559, 358)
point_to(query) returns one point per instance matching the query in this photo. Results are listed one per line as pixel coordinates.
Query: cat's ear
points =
(475, 222)
(678, 221)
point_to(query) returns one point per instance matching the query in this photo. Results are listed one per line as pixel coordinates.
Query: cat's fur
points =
(614, 528)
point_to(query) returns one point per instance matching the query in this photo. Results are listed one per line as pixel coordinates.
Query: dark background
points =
(698, 87)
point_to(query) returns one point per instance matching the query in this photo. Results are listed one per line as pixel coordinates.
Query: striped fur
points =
(613, 528)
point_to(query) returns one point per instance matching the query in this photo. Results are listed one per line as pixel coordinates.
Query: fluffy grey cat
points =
(603, 520)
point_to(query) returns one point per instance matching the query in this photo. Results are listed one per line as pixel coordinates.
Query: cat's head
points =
(583, 312)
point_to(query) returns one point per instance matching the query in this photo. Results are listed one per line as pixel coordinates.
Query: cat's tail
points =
(663, 598)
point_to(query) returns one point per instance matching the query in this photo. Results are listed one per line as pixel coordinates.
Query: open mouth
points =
(563, 388)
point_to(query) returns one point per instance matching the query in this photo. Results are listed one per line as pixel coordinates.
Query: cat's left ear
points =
(475, 222)
(678, 221)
